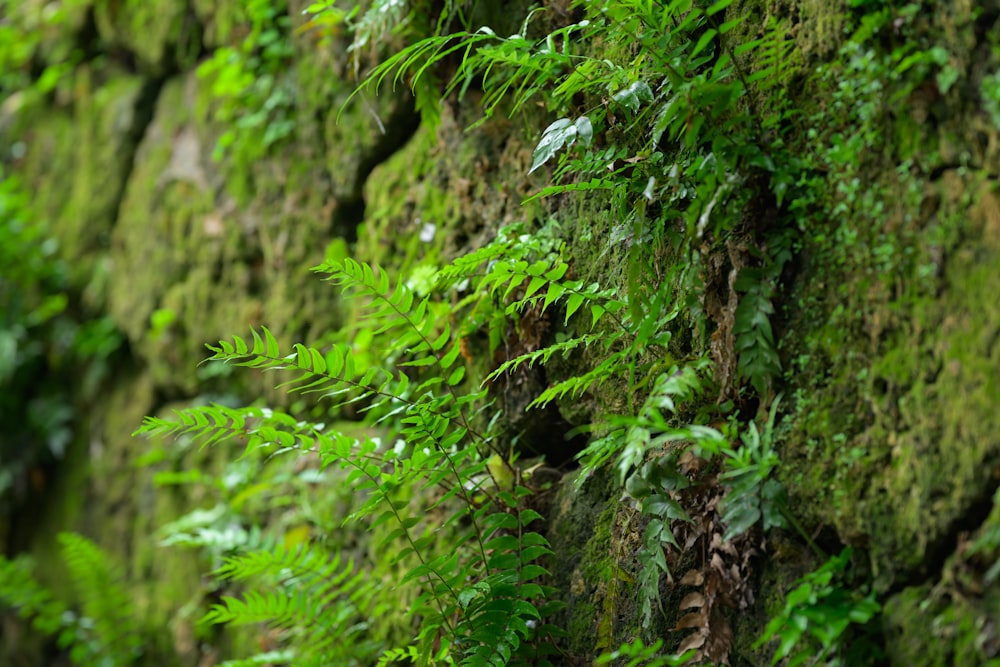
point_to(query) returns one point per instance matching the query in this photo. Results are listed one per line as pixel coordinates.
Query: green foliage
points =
(666, 78)
(476, 591)
(989, 90)
(314, 599)
(755, 343)
(752, 495)
(659, 115)
(104, 634)
(513, 68)
(99, 585)
(640, 655)
(44, 339)
(818, 619)
(673, 138)
(252, 93)
(25, 34)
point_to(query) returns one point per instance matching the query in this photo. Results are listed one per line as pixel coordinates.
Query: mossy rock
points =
(162, 35)
(78, 159)
(209, 267)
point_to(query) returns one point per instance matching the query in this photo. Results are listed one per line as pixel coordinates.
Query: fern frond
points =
(593, 185)
(758, 360)
(498, 612)
(392, 656)
(543, 355)
(256, 427)
(21, 591)
(101, 590)
(580, 384)
(308, 593)
(426, 52)
(330, 374)
(266, 659)
(395, 309)
(417, 333)
(475, 263)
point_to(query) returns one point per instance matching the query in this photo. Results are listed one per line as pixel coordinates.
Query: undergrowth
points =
(46, 335)
(251, 91)
(100, 629)
(475, 568)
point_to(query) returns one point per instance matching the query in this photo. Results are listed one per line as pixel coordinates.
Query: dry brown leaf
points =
(720, 640)
(698, 619)
(691, 539)
(713, 585)
(696, 640)
(717, 563)
(693, 578)
(692, 600)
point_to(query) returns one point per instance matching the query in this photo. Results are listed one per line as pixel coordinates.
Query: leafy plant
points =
(640, 655)
(314, 600)
(44, 338)
(23, 34)
(478, 594)
(104, 634)
(753, 495)
(677, 190)
(817, 618)
(251, 92)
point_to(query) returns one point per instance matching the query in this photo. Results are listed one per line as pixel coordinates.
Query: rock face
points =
(186, 225)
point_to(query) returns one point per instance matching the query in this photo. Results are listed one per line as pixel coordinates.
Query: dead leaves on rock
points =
(721, 584)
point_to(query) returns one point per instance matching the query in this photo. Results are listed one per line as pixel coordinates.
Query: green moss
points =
(594, 573)
(926, 628)
(221, 20)
(817, 27)
(158, 32)
(217, 268)
(77, 162)
(822, 27)
(902, 472)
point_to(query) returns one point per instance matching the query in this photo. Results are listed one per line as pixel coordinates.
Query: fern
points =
(641, 655)
(593, 185)
(498, 609)
(315, 600)
(103, 597)
(20, 591)
(105, 631)
(265, 659)
(656, 483)
(473, 573)
(512, 69)
(753, 494)
(475, 596)
(758, 356)
(542, 355)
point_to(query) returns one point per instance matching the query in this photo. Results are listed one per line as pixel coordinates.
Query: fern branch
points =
(399, 301)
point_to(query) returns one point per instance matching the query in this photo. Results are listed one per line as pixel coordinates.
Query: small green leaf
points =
(573, 304)
(634, 96)
(705, 40)
(553, 139)
(534, 285)
(554, 292)
(585, 130)
(456, 376)
(596, 312)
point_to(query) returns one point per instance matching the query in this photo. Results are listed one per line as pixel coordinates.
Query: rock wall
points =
(888, 317)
